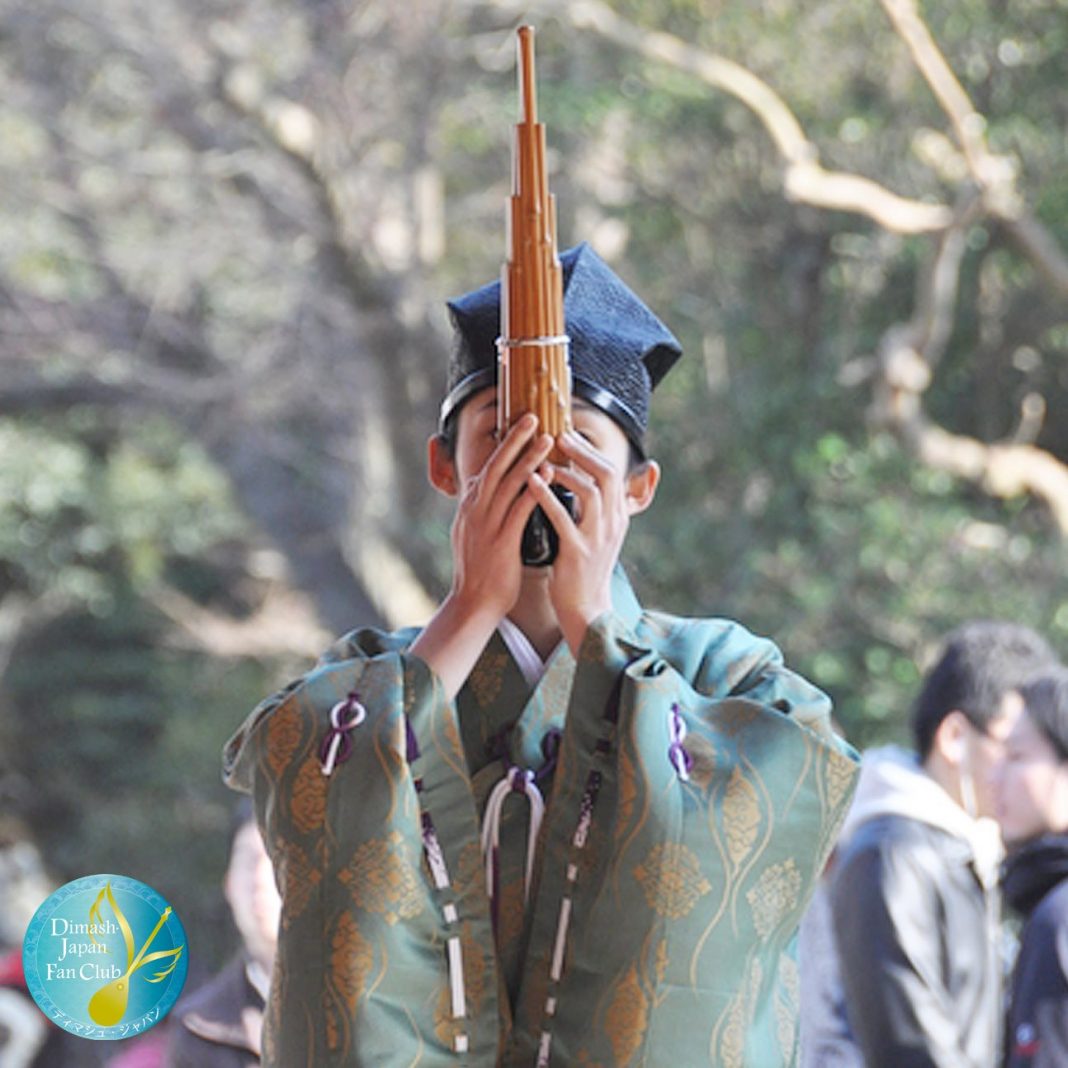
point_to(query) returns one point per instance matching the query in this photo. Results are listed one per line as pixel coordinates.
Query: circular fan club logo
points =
(105, 957)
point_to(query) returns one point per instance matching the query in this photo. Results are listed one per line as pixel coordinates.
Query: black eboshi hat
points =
(619, 349)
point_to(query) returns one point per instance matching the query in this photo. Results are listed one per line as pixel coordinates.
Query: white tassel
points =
(517, 780)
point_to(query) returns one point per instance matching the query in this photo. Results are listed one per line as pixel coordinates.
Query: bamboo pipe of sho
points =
(534, 373)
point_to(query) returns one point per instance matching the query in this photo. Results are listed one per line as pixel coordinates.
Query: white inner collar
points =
(525, 655)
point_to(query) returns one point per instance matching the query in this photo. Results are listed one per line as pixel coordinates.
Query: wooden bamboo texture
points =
(534, 372)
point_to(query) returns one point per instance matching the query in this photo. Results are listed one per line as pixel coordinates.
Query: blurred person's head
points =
(968, 704)
(1030, 781)
(250, 889)
(24, 882)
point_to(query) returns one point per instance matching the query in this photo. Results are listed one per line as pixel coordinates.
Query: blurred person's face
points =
(1030, 785)
(253, 898)
(983, 749)
(476, 440)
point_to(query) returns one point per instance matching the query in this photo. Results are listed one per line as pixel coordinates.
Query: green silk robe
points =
(696, 794)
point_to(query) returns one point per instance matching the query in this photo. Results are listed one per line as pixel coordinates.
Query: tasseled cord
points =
(337, 745)
(520, 781)
(678, 754)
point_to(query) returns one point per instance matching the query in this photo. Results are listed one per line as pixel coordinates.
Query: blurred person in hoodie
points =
(914, 899)
(1031, 793)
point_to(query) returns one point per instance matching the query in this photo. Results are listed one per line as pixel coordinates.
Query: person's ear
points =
(441, 466)
(950, 740)
(641, 483)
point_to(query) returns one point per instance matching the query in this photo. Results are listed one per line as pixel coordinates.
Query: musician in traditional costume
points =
(550, 827)
(653, 799)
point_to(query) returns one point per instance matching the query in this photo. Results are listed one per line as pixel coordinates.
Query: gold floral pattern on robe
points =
(486, 682)
(284, 732)
(841, 777)
(297, 878)
(351, 962)
(731, 1047)
(511, 910)
(741, 816)
(628, 792)
(383, 879)
(774, 896)
(671, 879)
(309, 795)
(627, 1017)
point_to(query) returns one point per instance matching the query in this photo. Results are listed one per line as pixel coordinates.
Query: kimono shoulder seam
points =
(691, 645)
(368, 643)
(709, 631)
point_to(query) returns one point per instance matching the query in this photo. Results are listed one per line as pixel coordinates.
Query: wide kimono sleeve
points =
(708, 789)
(373, 948)
(697, 791)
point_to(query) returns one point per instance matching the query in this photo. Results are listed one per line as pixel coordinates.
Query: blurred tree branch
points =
(907, 355)
(282, 625)
(269, 423)
(907, 352)
(805, 180)
(993, 174)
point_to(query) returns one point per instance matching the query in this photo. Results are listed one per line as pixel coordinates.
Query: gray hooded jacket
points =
(916, 922)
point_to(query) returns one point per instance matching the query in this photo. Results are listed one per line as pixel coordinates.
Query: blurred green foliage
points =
(112, 725)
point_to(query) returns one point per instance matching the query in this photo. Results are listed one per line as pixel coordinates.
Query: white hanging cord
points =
(521, 781)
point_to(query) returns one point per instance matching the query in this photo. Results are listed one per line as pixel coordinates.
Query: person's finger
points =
(511, 446)
(585, 488)
(588, 459)
(512, 485)
(515, 521)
